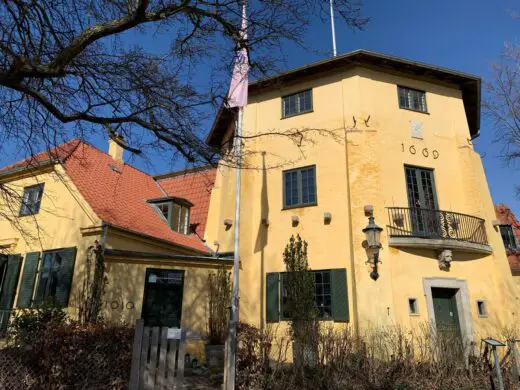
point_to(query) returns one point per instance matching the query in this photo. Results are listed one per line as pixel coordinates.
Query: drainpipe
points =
(104, 228)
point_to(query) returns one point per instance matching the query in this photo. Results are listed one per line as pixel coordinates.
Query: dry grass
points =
(382, 357)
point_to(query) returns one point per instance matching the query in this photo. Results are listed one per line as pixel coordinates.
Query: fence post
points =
(497, 368)
(136, 356)
(516, 361)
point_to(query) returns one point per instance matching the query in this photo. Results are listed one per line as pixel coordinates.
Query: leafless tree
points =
(502, 103)
(79, 65)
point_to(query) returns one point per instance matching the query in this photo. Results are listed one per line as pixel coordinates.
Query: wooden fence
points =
(157, 358)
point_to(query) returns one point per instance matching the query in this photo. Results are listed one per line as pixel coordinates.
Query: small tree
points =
(219, 286)
(300, 303)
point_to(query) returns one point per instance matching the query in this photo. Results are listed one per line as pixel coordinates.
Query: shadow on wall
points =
(262, 236)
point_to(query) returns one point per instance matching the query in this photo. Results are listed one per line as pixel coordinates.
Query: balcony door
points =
(422, 201)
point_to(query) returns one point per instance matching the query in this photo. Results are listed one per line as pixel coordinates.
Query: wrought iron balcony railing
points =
(436, 224)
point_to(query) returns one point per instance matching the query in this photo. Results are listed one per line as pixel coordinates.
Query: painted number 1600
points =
(424, 151)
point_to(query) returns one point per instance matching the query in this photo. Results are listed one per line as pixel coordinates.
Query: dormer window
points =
(175, 211)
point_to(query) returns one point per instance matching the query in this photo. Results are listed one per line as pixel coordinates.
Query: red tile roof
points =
(60, 152)
(195, 186)
(506, 217)
(118, 192)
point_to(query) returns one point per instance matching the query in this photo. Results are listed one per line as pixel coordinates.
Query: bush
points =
(383, 357)
(253, 351)
(70, 356)
(28, 323)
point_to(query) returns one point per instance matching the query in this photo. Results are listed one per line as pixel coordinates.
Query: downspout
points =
(350, 224)
(104, 228)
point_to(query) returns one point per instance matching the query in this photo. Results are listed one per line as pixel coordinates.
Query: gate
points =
(157, 358)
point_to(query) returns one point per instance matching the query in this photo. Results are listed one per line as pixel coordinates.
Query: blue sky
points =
(466, 35)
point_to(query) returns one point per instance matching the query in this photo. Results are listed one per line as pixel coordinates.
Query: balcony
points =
(436, 229)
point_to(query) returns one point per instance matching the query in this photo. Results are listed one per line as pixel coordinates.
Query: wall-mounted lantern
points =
(295, 220)
(373, 245)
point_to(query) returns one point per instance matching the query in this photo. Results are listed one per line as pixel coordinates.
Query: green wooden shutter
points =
(10, 282)
(272, 297)
(68, 258)
(338, 278)
(30, 269)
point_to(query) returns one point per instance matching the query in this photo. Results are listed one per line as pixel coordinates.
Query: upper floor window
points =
(508, 236)
(412, 99)
(297, 103)
(176, 211)
(299, 187)
(32, 198)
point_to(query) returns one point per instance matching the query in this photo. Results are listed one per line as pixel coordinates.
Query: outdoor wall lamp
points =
(373, 245)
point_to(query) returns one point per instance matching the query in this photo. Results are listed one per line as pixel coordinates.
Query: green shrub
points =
(27, 324)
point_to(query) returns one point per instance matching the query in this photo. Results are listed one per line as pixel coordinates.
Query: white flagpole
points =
(334, 53)
(241, 95)
(235, 312)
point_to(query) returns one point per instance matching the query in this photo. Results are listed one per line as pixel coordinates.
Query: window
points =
(165, 209)
(412, 99)
(482, 309)
(181, 218)
(32, 198)
(176, 212)
(298, 103)
(508, 236)
(299, 187)
(322, 294)
(330, 293)
(49, 275)
(412, 306)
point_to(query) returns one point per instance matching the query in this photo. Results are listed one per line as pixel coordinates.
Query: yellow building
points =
(326, 146)
(71, 200)
(363, 134)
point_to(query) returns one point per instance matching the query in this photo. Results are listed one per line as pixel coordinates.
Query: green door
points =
(446, 313)
(163, 292)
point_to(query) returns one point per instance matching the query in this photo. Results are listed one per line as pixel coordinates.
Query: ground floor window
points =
(163, 293)
(330, 293)
(47, 278)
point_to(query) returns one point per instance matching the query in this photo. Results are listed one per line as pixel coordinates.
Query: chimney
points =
(115, 150)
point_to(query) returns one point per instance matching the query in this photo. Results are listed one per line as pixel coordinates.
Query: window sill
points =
(28, 215)
(411, 109)
(299, 206)
(298, 114)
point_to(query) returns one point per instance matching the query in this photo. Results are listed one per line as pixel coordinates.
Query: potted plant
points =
(219, 299)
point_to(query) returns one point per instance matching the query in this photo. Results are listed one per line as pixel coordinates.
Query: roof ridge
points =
(181, 172)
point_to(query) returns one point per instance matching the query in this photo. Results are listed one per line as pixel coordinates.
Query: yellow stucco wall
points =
(357, 123)
(123, 300)
(63, 212)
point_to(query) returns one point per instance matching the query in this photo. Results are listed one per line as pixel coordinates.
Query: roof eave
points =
(156, 239)
(25, 169)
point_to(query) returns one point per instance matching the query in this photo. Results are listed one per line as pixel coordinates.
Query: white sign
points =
(417, 129)
(174, 333)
